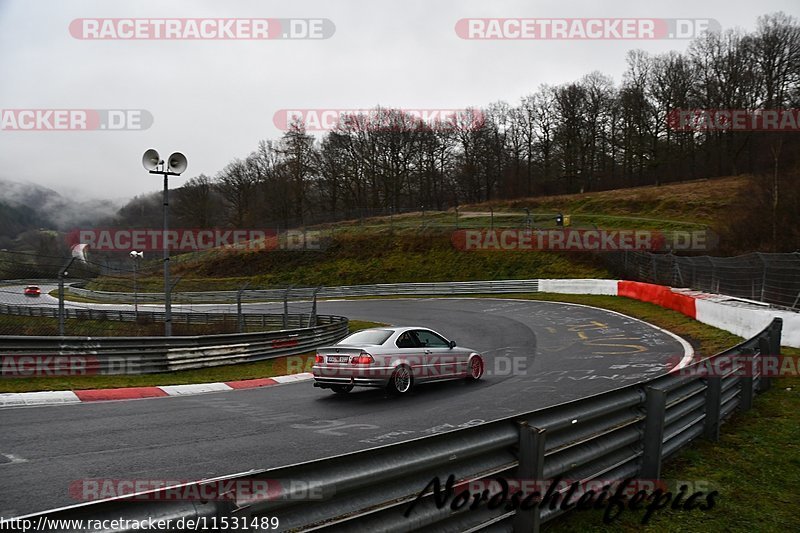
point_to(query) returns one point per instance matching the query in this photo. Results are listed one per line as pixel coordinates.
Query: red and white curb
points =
(62, 397)
(740, 316)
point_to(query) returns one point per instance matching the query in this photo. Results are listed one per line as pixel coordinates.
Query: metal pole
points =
(286, 308)
(312, 319)
(61, 274)
(61, 303)
(135, 293)
(167, 288)
(239, 315)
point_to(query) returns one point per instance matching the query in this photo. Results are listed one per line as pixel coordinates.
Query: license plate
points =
(338, 358)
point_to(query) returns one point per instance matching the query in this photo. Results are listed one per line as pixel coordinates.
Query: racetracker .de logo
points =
(389, 119)
(734, 119)
(75, 119)
(739, 365)
(245, 490)
(580, 240)
(193, 240)
(202, 29)
(581, 29)
(48, 365)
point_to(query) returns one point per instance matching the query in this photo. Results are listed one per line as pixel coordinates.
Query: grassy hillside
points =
(353, 259)
(695, 202)
(416, 246)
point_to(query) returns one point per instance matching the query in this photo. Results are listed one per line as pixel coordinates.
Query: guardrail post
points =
(763, 274)
(286, 308)
(746, 400)
(655, 409)
(763, 350)
(239, 316)
(713, 405)
(312, 318)
(775, 337)
(531, 467)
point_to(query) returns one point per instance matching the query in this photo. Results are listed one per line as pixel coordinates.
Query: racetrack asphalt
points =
(537, 354)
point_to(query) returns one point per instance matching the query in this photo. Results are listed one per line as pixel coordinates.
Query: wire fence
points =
(37, 298)
(771, 278)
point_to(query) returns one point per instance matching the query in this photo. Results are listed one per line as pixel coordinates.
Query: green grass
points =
(413, 247)
(363, 259)
(755, 467)
(259, 369)
(695, 202)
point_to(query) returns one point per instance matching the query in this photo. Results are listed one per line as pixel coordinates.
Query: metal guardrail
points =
(345, 291)
(144, 355)
(267, 320)
(618, 434)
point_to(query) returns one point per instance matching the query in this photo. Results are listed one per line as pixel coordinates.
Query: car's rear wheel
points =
(341, 389)
(475, 368)
(402, 380)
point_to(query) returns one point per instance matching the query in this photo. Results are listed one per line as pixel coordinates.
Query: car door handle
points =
(427, 351)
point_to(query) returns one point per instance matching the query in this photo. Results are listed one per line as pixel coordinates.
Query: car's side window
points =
(429, 339)
(405, 340)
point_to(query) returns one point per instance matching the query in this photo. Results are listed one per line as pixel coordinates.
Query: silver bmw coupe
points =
(396, 358)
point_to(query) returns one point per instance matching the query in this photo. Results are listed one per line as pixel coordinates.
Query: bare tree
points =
(237, 185)
(196, 203)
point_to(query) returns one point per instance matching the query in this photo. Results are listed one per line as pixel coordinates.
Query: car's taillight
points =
(362, 359)
(319, 359)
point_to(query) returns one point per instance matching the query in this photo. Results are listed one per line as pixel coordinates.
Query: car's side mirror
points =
(452, 344)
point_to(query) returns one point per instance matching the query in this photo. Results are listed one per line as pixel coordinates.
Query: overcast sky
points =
(214, 99)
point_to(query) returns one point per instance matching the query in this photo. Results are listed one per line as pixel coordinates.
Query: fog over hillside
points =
(25, 206)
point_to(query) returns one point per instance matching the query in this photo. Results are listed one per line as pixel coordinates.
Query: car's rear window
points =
(367, 336)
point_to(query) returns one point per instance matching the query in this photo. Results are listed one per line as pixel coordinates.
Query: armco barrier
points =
(344, 291)
(260, 320)
(144, 355)
(615, 435)
(735, 315)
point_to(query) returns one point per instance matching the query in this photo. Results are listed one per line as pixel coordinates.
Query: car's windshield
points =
(368, 336)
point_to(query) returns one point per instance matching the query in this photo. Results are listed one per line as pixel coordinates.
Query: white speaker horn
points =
(151, 160)
(177, 163)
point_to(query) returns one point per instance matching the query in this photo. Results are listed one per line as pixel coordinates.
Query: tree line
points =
(587, 135)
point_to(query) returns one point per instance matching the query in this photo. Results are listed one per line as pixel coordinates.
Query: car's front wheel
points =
(475, 368)
(341, 389)
(402, 380)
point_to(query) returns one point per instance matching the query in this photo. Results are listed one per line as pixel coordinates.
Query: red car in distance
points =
(32, 290)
